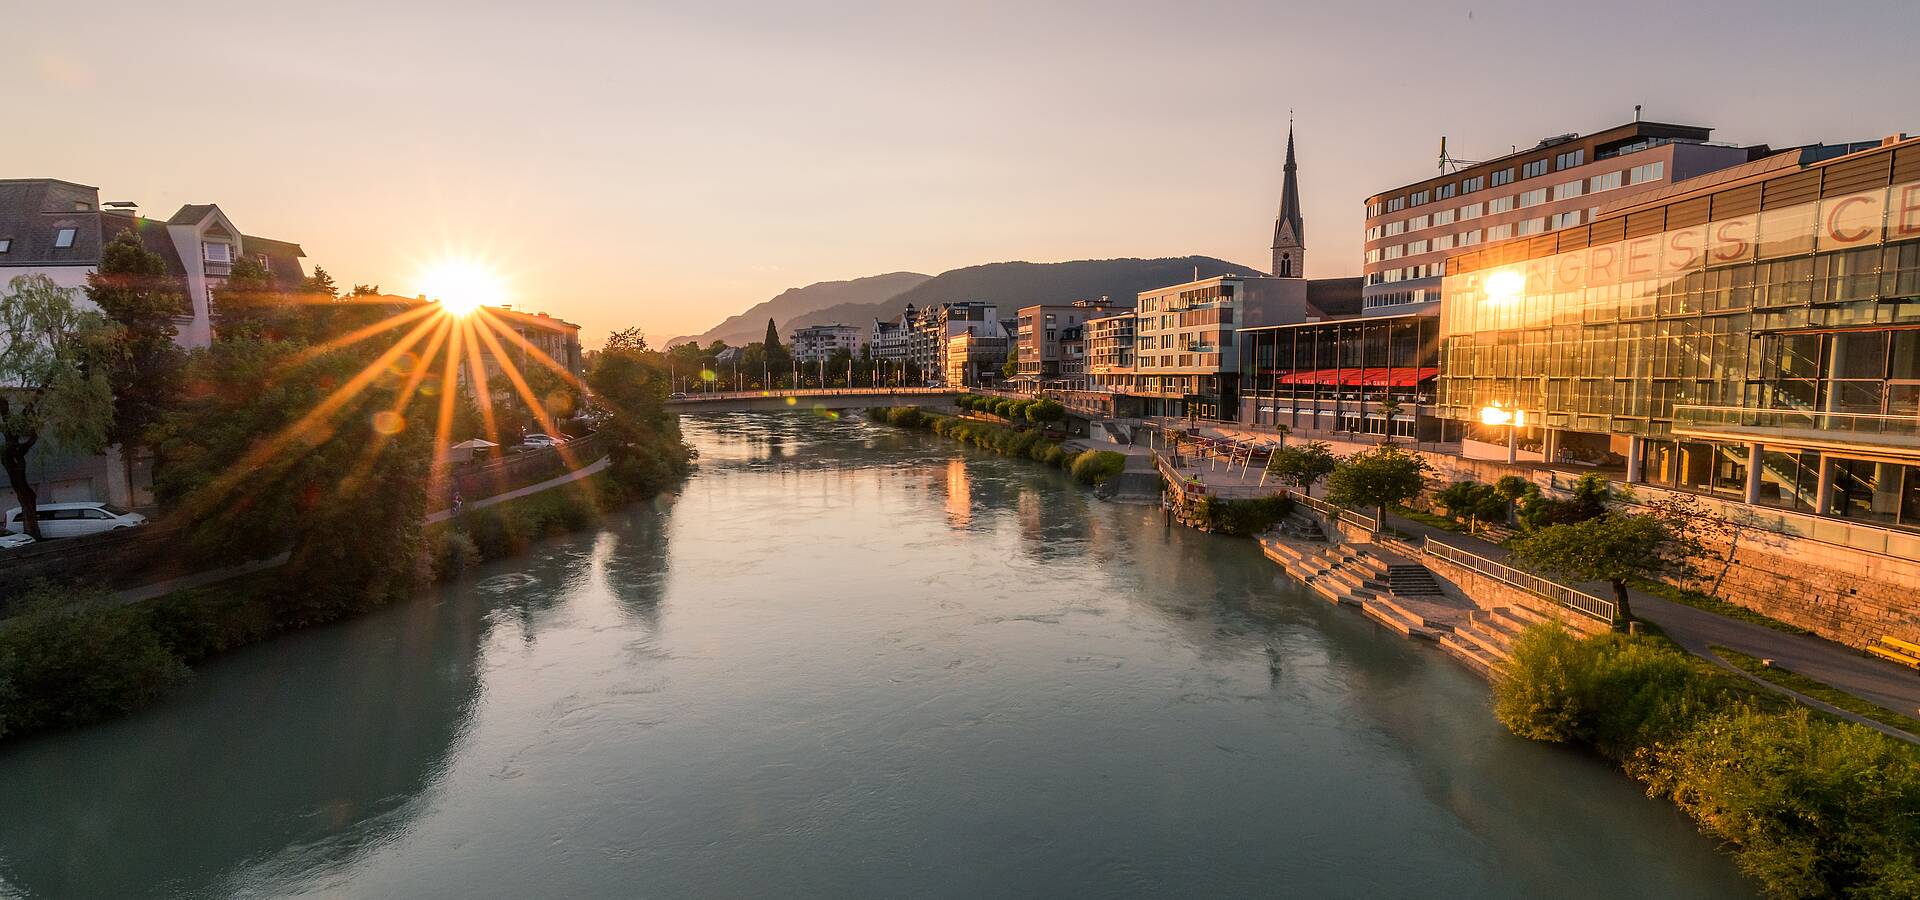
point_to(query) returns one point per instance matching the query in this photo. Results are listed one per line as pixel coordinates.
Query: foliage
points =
(1302, 465)
(1379, 478)
(1589, 500)
(645, 450)
(1615, 548)
(628, 340)
(1240, 517)
(1472, 501)
(54, 379)
(1818, 690)
(1098, 466)
(1045, 412)
(73, 659)
(1012, 365)
(135, 290)
(1816, 807)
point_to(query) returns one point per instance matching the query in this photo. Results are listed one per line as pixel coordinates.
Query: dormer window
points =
(6, 244)
(63, 238)
(218, 253)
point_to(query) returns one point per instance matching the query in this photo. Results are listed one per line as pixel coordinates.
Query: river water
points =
(845, 661)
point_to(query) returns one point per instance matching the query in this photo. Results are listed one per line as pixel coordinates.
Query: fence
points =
(521, 469)
(1576, 600)
(1186, 483)
(1359, 520)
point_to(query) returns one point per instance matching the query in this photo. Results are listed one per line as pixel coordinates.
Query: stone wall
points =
(1846, 595)
(1487, 592)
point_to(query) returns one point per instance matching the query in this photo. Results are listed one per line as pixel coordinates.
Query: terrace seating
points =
(1893, 649)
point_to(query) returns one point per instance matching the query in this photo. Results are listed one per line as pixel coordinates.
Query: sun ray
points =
(534, 404)
(482, 391)
(396, 410)
(359, 334)
(443, 429)
(491, 321)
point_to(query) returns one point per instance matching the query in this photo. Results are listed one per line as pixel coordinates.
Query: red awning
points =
(1396, 377)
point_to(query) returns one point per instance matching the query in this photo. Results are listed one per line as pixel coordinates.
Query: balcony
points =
(1802, 427)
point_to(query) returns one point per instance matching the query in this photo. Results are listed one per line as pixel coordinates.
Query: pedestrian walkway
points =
(213, 576)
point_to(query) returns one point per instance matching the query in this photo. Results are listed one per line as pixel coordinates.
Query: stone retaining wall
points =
(1839, 593)
(1488, 592)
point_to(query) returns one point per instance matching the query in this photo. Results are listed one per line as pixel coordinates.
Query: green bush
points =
(1241, 517)
(905, 416)
(1059, 457)
(1815, 807)
(72, 660)
(1098, 466)
(1041, 450)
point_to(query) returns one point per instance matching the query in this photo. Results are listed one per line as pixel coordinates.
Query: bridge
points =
(810, 399)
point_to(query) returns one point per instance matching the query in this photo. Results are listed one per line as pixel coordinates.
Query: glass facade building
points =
(1768, 313)
(1369, 375)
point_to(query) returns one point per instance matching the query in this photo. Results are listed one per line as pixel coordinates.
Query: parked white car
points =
(542, 441)
(9, 540)
(59, 520)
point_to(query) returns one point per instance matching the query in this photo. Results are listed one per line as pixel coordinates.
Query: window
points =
(1504, 176)
(216, 252)
(1373, 256)
(1396, 204)
(1471, 211)
(1500, 204)
(1396, 251)
(1443, 242)
(1570, 159)
(1499, 232)
(1373, 234)
(1415, 248)
(1605, 182)
(1418, 198)
(1373, 209)
(1532, 226)
(1566, 220)
(1394, 228)
(1469, 238)
(1534, 169)
(1473, 184)
(6, 244)
(1445, 191)
(1443, 217)
(1568, 190)
(1649, 172)
(1418, 222)
(1534, 197)
(63, 238)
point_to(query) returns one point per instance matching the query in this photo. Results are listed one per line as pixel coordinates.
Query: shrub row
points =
(1037, 412)
(74, 658)
(1816, 807)
(1089, 467)
(1241, 517)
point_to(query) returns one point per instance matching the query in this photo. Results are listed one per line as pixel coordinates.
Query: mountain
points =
(1011, 285)
(751, 325)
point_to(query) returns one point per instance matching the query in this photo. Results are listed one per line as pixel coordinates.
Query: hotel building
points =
(1753, 334)
(1557, 184)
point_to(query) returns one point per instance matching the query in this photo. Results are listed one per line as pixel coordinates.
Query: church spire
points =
(1289, 230)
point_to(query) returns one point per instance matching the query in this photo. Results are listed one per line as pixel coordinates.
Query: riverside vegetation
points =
(1093, 467)
(1813, 806)
(345, 503)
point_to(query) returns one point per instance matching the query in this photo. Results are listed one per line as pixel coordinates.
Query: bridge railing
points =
(699, 396)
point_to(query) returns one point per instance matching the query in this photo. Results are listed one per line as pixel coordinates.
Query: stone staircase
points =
(1349, 575)
(1486, 643)
(1409, 580)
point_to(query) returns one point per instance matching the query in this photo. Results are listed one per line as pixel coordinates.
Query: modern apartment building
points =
(1109, 341)
(817, 343)
(1752, 334)
(1073, 357)
(973, 358)
(1038, 335)
(1559, 183)
(59, 229)
(934, 324)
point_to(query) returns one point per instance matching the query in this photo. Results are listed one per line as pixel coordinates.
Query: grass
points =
(1819, 690)
(1715, 605)
(1431, 520)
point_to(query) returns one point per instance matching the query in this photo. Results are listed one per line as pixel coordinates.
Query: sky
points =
(669, 164)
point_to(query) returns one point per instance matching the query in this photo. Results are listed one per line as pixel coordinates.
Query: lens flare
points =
(388, 422)
(463, 284)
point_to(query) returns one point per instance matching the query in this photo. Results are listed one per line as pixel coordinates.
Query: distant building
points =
(557, 338)
(1073, 357)
(817, 343)
(59, 229)
(888, 339)
(934, 325)
(1185, 363)
(973, 358)
(1289, 228)
(1559, 183)
(1039, 331)
(1109, 346)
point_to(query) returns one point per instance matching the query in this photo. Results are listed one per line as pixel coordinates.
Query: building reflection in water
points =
(959, 494)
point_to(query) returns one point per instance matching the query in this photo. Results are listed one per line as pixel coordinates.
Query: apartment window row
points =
(1533, 169)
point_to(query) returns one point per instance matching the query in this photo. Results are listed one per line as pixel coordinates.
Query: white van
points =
(58, 520)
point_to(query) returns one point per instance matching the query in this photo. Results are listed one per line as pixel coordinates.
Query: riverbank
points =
(77, 655)
(1089, 467)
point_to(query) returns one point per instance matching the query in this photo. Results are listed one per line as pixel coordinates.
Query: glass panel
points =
(1857, 354)
(1867, 491)
(1789, 480)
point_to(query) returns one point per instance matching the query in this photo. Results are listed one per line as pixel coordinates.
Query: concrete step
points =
(1412, 580)
(1489, 642)
(1391, 601)
(1397, 619)
(1528, 616)
(1503, 619)
(1480, 662)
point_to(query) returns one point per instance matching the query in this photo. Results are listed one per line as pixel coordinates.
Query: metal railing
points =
(1837, 423)
(1577, 600)
(698, 396)
(1360, 520)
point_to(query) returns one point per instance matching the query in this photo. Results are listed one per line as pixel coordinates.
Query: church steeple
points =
(1289, 230)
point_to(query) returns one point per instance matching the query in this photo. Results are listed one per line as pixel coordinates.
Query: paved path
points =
(198, 579)
(590, 469)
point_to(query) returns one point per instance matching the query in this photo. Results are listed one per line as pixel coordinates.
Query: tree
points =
(1381, 477)
(1012, 366)
(1472, 501)
(1589, 500)
(1045, 412)
(54, 379)
(645, 450)
(135, 290)
(320, 282)
(1615, 548)
(631, 340)
(1302, 465)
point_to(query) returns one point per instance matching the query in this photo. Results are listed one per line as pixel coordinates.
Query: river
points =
(845, 661)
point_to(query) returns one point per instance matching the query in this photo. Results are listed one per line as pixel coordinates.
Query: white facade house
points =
(816, 343)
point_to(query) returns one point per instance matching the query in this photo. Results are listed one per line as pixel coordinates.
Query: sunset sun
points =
(463, 284)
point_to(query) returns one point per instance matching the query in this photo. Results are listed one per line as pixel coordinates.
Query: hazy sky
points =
(667, 165)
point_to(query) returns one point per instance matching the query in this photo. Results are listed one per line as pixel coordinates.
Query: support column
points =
(1756, 453)
(1823, 495)
(1636, 469)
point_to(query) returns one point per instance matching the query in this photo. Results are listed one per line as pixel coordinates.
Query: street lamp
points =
(1514, 419)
